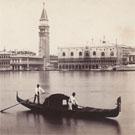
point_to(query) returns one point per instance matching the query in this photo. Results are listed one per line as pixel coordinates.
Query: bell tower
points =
(44, 50)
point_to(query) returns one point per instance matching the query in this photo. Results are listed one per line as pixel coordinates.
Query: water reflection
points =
(47, 124)
(44, 79)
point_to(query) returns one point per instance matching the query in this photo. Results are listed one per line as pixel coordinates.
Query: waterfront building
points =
(131, 58)
(21, 62)
(25, 60)
(44, 51)
(54, 61)
(103, 57)
(4, 60)
(31, 62)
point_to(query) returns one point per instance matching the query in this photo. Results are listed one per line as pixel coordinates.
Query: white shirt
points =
(73, 100)
(39, 89)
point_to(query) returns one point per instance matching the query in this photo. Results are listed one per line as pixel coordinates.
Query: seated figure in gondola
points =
(73, 102)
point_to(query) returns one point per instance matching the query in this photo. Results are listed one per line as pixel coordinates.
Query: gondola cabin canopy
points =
(57, 101)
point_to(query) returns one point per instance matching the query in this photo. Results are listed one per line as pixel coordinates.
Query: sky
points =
(72, 23)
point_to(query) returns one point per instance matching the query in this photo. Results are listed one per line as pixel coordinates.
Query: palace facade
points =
(103, 57)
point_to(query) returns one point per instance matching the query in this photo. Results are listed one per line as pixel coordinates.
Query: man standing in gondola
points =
(38, 91)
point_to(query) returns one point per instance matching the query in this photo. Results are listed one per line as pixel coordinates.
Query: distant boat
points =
(57, 104)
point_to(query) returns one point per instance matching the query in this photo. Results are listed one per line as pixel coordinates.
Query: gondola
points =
(57, 104)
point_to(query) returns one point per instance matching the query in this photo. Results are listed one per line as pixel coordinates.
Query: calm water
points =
(97, 89)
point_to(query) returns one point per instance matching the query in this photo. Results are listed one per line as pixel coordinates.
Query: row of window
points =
(91, 61)
(16, 61)
(87, 54)
(92, 49)
(4, 63)
(78, 67)
(82, 67)
(4, 56)
(87, 66)
(24, 60)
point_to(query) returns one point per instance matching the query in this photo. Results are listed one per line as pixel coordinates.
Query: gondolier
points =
(38, 91)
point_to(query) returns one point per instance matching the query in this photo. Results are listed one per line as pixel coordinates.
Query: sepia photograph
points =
(67, 67)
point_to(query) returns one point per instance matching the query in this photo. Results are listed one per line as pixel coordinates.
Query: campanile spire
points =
(44, 14)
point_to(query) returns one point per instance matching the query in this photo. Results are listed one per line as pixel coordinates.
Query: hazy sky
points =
(72, 22)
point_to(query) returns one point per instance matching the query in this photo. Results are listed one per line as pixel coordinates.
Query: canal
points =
(96, 89)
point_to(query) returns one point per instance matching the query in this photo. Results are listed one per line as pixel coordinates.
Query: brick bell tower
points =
(44, 50)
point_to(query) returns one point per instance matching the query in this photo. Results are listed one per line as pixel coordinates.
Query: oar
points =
(17, 104)
(13, 105)
(9, 107)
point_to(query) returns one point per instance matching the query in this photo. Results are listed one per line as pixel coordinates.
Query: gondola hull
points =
(64, 111)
